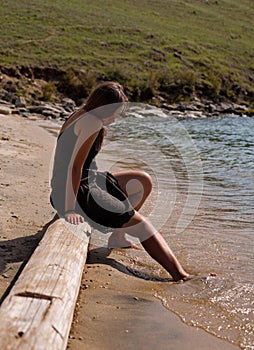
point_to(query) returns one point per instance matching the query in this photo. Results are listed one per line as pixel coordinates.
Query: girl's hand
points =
(74, 218)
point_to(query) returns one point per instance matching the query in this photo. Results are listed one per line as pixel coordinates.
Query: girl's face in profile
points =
(111, 119)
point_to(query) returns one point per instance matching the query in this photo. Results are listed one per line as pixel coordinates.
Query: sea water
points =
(203, 204)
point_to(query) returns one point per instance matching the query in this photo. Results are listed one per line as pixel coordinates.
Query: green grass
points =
(173, 47)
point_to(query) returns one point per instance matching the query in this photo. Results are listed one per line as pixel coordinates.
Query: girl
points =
(81, 193)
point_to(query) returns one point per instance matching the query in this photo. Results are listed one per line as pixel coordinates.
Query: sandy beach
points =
(115, 309)
(24, 205)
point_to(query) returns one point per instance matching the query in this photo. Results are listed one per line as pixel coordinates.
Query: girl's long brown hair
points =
(104, 94)
(109, 94)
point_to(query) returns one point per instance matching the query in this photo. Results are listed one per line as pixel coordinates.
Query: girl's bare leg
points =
(137, 185)
(155, 245)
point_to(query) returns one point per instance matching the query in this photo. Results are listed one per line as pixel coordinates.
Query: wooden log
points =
(38, 312)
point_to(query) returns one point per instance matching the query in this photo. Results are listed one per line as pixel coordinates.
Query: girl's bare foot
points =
(118, 240)
(191, 277)
(186, 278)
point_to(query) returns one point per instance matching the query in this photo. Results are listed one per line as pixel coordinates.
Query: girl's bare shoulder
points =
(83, 122)
(87, 123)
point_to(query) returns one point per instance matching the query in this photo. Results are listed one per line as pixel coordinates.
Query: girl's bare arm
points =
(87, 130)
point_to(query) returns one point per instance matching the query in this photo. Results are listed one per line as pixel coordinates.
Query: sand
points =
(114, 309)
(25, 153)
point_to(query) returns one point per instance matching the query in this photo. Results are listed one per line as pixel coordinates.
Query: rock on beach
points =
(61, 110)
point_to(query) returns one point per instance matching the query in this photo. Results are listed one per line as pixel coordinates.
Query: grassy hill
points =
(175, 48)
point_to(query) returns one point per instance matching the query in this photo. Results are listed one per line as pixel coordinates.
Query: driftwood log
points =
(38, 312)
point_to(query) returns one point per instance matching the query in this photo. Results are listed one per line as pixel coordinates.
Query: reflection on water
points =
(209, 162)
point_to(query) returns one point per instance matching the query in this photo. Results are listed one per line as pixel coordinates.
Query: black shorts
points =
(100, 200)
(103, 201)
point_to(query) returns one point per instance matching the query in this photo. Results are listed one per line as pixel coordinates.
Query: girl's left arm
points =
(86, 137)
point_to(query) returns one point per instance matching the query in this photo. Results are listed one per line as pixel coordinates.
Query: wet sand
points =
(115, 309)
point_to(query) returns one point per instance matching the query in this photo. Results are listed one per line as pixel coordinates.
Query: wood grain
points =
(38, 311)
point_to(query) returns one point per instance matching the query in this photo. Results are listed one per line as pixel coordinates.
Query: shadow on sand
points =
(101, 256)
(19, 250)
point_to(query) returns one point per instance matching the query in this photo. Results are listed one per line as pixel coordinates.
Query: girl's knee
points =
(133, 181)
(147, 182)
(144, 184)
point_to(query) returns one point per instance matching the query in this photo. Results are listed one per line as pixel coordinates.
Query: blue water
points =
(203, 204)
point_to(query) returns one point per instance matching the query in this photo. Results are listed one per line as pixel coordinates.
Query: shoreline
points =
(111, 301)
(10, 103)
(118, 310)
(49, 83)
